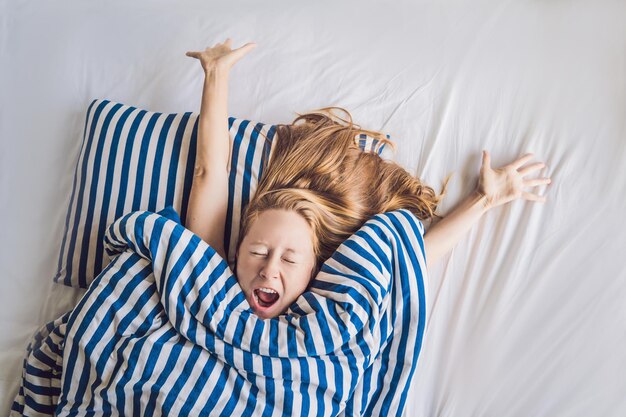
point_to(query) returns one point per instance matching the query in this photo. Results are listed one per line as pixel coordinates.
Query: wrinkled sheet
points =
(526, 314)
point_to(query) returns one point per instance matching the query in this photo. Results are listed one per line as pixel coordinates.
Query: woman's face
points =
(275, 261)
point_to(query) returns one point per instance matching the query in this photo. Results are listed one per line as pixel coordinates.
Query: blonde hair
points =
(318, 170)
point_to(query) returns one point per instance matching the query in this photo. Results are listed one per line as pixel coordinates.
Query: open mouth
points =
(265, 297)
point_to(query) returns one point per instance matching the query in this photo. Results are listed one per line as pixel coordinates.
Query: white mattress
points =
(527, 313)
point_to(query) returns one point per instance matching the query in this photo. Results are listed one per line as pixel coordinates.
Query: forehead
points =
(282, 228)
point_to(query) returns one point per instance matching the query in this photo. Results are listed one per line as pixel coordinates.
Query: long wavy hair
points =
(318, 171)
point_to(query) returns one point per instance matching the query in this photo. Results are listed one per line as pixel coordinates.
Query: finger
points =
(192, 54)
(521, 161)
(531, 168)
(533, 197)
(537, 181)
(239, 52)
(486, 159)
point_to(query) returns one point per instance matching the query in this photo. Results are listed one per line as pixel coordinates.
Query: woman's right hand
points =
(221, 56)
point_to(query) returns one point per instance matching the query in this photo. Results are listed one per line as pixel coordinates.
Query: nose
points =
(270, 269)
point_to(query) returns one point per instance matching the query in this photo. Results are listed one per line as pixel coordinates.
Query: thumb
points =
(486, 159)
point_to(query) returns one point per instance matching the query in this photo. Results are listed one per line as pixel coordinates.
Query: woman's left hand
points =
(501, 185)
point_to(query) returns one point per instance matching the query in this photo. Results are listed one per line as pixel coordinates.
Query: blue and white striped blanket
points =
(166, 330)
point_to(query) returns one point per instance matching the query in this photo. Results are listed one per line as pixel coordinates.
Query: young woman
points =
(318, 185)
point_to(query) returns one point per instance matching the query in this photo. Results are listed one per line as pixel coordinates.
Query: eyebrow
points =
(260, 242)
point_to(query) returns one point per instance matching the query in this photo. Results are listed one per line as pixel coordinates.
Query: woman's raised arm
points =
(208, 201)
(495, 187)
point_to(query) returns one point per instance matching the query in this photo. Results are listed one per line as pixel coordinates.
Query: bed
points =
(525, 315)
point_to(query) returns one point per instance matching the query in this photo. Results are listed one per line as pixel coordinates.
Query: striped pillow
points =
(133, 159)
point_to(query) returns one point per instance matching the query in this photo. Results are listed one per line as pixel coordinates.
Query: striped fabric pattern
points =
(166, 330)
(41, 373)
(133, 159)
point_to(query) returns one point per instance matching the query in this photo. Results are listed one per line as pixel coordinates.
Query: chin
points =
(267, 314)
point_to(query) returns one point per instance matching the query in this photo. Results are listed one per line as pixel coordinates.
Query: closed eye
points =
(265, 254)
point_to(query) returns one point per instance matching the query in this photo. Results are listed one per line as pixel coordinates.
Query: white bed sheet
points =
(527, 313)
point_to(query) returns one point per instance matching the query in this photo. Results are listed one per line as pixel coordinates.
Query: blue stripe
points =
(89, 317)
(108, 184)
(155, 183)
(362, 142)
(202, 292)
(267, 150)
(421, 326)
(93, 192)
(74, 318)
(232, 178)
(404, 291)
(169, 366)
(155, 349)
(67, 278)
(124, 178)
(189, 169)
(217, 393)
(142, 161)
(42, 390)
(77, 216)
(198, 389)
(248, 168)
(40, 408)
(127, 320)
(269, 386)
(172, 175)
(235, 396)
(181, 380)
